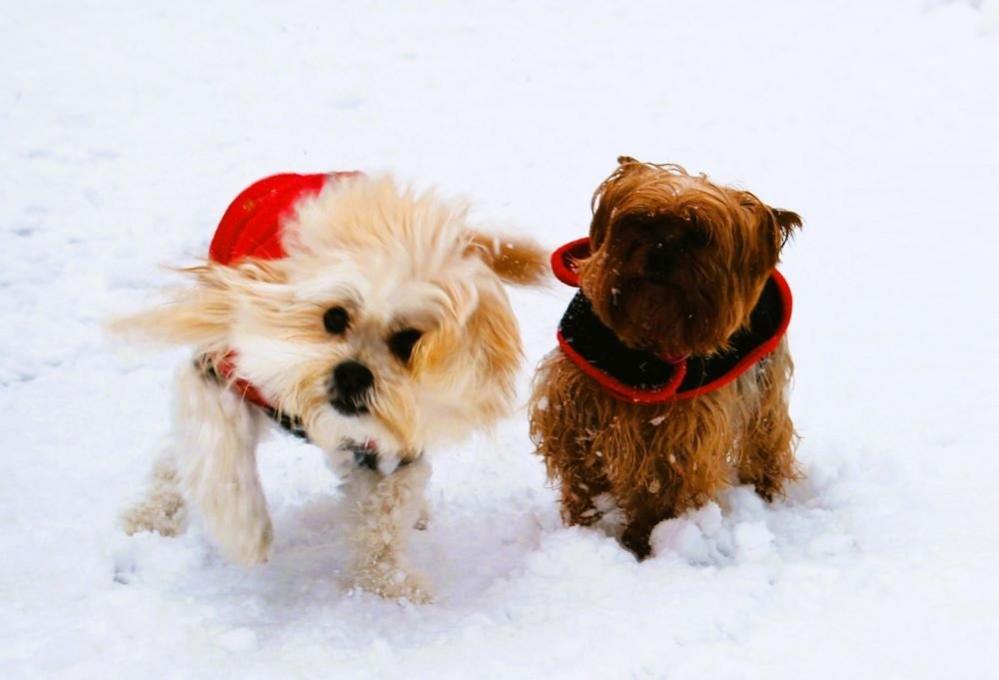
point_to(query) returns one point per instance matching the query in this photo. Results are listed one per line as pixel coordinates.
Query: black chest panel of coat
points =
(598, 345)
(646, 371)
(765, 322)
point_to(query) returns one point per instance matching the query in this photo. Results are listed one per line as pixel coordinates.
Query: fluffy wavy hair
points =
(419, 309)
(677, 264)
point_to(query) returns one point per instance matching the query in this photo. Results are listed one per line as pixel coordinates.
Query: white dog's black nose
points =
(351, 381)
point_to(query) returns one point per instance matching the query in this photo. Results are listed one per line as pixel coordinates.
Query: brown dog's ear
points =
(514, 259)
(787, 222)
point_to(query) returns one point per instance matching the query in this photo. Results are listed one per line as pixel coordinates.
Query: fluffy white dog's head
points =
(385, 328)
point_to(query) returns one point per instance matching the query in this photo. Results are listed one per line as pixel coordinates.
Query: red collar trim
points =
(618, 389)
(565, 262)
(245, 389)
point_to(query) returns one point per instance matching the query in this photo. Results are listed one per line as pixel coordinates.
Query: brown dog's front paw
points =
(636, 539)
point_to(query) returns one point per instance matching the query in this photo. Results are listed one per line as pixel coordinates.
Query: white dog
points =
(367, 319)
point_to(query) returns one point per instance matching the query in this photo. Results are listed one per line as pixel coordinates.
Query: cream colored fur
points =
(394, 260)
(213, 464)
(383, 511)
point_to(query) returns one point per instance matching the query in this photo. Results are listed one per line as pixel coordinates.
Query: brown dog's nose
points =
(660, 259)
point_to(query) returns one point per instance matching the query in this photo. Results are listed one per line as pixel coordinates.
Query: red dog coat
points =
(252, 226)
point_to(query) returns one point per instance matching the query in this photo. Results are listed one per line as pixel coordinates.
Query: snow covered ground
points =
(126, 127)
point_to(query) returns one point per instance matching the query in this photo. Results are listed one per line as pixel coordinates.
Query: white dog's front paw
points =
(395, 583)
(237, 518)
(247, 545)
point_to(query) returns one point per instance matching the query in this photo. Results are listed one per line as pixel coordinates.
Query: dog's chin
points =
(664, 326)
(359, 442)
(365, 453)
(370, 454)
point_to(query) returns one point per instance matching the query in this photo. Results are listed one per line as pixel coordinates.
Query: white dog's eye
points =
(401, 343)
(336, 320)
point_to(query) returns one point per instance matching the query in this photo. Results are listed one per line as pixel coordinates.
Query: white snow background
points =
(127, 127)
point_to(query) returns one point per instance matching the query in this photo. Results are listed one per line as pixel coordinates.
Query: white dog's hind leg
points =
(163, 508)
(384, 510)
(217, 435)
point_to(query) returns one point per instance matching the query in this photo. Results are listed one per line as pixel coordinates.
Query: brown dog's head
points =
(677, 263)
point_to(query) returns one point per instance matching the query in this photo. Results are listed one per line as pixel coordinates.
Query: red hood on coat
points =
(253, 224)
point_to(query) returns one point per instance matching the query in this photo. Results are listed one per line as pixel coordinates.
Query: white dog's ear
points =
(198, 315)
(514, 259)
(201, 314)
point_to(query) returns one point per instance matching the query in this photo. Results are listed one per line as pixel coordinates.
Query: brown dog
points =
(671, 376)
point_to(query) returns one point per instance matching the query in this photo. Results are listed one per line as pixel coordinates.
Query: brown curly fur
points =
(658, 460)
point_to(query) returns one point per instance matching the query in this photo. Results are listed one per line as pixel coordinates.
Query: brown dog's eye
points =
(697, 237)
(401, 343)
(336, 320)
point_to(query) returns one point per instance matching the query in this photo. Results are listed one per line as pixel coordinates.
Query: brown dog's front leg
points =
(642, 519)
(580, 486)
